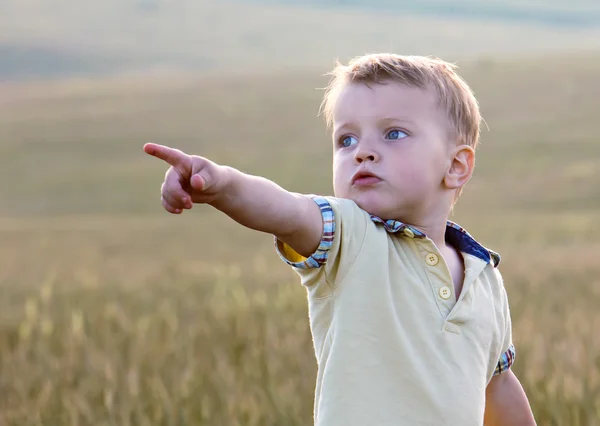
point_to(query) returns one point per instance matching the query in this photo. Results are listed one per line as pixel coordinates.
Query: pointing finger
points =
(174, 157)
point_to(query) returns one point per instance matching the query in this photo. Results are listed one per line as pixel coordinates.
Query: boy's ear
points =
(461, 167)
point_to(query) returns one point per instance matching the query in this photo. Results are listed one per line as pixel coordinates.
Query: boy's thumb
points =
(198, 182)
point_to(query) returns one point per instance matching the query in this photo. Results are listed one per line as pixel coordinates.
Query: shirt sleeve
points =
(507, 357)
(344, 229)
(506, 360)
(319, 257)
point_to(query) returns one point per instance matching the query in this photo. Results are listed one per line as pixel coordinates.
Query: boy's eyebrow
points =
(342, 125)
(395, 119)
(382, 121)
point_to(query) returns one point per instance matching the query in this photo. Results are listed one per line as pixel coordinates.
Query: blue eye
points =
(396, 134)
(347, 141)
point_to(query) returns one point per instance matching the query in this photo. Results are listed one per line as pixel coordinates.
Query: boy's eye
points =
(396, 134)
(347, 141)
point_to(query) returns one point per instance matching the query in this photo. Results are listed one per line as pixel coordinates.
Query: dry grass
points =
(113, 313)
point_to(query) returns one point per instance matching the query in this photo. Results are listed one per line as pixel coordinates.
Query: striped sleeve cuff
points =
(319, 257)
(506, 361)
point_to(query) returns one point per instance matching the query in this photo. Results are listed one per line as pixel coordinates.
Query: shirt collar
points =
(456, 235)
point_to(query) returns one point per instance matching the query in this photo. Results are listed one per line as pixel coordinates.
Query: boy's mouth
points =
(364, 178)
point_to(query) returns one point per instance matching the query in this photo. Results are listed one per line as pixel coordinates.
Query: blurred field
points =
(72, 37)
(114, 313)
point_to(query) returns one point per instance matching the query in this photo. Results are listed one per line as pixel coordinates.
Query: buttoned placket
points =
(453, 312)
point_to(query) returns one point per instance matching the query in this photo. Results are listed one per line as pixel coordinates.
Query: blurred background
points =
(113, 312)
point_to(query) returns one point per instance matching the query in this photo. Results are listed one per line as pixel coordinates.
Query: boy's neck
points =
(435, 231)
(433, 225)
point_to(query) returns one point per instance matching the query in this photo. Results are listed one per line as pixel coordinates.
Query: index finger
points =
(174, 157)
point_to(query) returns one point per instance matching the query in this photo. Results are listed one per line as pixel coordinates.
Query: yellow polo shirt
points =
(393, 345)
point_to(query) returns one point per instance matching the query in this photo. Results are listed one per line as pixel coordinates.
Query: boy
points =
(409, 314)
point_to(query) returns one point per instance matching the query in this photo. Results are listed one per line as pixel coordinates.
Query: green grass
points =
(112, 312)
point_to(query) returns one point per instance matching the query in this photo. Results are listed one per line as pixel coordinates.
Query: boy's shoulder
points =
(346, 211)
(343, 212)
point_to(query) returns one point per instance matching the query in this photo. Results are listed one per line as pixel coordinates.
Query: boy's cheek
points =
(341, 183)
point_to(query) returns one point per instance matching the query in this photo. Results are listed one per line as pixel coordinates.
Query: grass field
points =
(112, 312)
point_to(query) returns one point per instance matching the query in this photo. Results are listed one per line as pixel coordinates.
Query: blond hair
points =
(454, 95)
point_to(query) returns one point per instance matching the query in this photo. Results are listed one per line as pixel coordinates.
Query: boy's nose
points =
(365, 152)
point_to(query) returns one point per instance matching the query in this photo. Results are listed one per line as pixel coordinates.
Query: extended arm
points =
(252, 201)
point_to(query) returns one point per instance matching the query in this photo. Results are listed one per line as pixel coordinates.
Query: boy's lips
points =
(364, 178)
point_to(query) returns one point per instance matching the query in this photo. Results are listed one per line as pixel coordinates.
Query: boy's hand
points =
(190, 179)
(252, 201)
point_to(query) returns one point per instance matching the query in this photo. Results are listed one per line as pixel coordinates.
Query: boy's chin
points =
(374, 206)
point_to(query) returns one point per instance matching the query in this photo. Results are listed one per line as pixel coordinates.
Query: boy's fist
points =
(190, 179)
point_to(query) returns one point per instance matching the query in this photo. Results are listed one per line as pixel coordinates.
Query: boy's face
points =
(391, 149)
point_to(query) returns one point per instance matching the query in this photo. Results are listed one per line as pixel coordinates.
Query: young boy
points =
(408, 312)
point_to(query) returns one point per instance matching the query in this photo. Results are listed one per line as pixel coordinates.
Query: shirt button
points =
(409, 233)
(431, 259)
(445, 292)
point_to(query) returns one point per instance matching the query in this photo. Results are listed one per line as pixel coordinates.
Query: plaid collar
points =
(456, 235)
